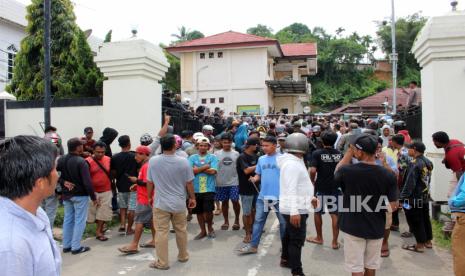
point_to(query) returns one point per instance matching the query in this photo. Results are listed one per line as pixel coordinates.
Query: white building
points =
(12, 30)
(245, 73)
(12, 25)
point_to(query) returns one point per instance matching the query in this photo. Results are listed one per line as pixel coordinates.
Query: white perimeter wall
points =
(70, 121)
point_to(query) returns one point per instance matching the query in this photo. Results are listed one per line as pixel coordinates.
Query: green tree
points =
(261, 30)
(407, 29)
(340, 77)
(295, 33)
(185, 35)
(74, 74)
(108, 36)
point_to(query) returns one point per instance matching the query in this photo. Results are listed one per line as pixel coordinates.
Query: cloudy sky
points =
(157, 20)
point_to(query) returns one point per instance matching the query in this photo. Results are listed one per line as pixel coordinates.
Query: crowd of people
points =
(363, 173)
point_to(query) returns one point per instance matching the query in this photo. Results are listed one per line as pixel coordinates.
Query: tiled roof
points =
(235, 39)
(224, 38)
(375, 102)
(299, 49)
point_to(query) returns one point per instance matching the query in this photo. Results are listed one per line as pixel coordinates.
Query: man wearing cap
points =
(205, 167)
(207, 131)
(143, 213)
(295, 196)
(371, 186)
(246, 165)
(281, 142)
(415, 196)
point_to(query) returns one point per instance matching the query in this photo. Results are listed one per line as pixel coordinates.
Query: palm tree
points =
(183, 34)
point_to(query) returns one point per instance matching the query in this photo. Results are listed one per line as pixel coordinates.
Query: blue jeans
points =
(74, 222)
(50, 206)
(260, 220)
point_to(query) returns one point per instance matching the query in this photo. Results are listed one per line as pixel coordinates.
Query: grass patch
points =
(438, 236)
(90, 228)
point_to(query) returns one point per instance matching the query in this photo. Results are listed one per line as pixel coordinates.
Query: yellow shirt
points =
(391, 152)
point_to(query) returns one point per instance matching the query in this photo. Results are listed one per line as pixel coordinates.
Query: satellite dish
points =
(307, 109)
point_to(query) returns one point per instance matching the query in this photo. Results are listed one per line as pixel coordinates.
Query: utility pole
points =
(47, 92)
(394, 59)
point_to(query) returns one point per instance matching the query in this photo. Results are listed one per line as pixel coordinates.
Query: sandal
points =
(121, 229)
(236, 227)
(147, 245)
(406, 235)
(225, 226)
(246, 250)
(212, 235)
(157, 265)
(385, 253)
(102, 238)
(200, 236)
(313, 240)
(130, 232)
(127, 251)
(412, 248)
(338, 246)
(217, 212)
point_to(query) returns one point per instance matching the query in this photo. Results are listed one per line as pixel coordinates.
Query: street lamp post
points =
(47, 92)
(393, 58)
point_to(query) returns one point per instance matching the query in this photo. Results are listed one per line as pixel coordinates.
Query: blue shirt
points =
(268, 170)
(27, 247)
(204, 183)
(457, 200)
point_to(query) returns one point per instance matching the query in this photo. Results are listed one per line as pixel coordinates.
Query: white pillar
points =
(440, 51)
(131, 92)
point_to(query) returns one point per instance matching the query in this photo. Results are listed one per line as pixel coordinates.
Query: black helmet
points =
(399, 125)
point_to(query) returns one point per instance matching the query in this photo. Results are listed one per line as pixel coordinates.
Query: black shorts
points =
(205, 203)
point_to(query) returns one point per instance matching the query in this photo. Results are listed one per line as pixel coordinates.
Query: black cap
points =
(417, 146)
(252, 142)
(366, 143)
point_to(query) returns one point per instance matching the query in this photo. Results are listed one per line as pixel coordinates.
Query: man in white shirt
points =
(296, 193)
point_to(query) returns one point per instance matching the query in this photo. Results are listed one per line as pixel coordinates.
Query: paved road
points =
(218, 257)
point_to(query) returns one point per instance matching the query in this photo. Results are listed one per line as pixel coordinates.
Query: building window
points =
(202, 55)
(212, 100)
(220, 54)
(204, 101)
(211, 55)
(221, 100)
(11, 61)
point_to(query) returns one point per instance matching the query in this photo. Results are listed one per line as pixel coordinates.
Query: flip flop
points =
(199, 236)
(385, 253)
(236, 227)
(217, 212)
(211, 235)
(338, 246)
(102, 238)
(246, 250)
(313, 240)
(429, 246)
(225, 226)
(156, 265)
(406, 235)
(127, 251)
(147, 245)
(121, 230)
(412, 248)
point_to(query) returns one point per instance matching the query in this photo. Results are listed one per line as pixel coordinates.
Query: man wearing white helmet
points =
(295, 196)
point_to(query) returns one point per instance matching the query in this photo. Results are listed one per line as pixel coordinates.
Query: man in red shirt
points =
(88, 142)
(455, 152)
(144, 208)
(100, 212)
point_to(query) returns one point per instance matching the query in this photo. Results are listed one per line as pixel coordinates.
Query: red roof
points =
(227, 39)
(299, 49)
(235, 40)
(374, 103)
